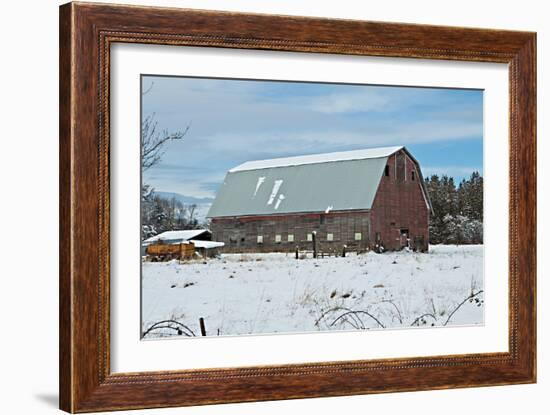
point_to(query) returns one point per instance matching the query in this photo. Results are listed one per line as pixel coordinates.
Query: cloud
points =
(235, 121)
(355, 102)
(298, 141)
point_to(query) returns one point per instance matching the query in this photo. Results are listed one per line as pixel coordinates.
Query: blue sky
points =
(233, 121)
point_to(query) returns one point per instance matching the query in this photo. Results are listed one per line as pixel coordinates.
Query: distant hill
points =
(203, 203)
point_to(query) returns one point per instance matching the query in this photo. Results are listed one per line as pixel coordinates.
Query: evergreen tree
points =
(476, 195)
(457, 215)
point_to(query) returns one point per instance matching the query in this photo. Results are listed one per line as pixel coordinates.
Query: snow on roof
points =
(176, 236)
(368, 153)
(207, 244)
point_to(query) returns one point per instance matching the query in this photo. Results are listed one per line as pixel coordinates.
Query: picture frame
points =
(87, 32)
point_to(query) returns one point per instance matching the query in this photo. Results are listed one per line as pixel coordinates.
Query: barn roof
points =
(316, 183)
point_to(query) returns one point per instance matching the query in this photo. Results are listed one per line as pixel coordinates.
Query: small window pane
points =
(290, 237)
(358, 236)
(330, 237)
(260, 239)
(277, 238)
(309, 237)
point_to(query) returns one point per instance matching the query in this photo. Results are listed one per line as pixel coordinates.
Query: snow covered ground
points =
(268, 293)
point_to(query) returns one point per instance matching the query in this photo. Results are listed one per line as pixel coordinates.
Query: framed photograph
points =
(258, 207)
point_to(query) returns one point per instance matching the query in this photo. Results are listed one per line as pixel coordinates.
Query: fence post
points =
(203, 328)
(314, 240)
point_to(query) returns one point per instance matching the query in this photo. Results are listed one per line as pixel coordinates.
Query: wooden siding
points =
(169, 251)
(400, 204)
(240, 234)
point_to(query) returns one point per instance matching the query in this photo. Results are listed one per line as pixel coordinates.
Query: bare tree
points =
(154, 216)
(153, 141)
(146, 91)
(191, 211)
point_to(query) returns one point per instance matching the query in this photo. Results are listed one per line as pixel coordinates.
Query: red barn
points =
(364, 199)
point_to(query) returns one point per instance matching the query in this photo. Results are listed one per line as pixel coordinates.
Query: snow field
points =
(272, 293)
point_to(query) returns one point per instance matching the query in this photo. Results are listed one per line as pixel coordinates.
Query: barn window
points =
(260, 239)
(322, 219)
(278, 238)
(358, 236)
(330, 237)
(412, 175)
(387, 171)
(290, 237)
(309, 237)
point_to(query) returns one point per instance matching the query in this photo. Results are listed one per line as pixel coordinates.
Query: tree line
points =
(457, 215)
(160, 214)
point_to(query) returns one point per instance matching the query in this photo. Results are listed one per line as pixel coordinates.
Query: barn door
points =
(404, 237)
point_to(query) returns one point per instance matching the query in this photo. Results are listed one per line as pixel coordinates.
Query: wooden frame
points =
(86, 33)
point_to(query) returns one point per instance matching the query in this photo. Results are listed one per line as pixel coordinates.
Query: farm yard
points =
(239, 294)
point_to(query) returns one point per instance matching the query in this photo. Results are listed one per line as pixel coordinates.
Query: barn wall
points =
(400, 204)
(240, 234)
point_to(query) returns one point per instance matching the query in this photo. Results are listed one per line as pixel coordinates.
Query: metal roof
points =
(318, 183)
